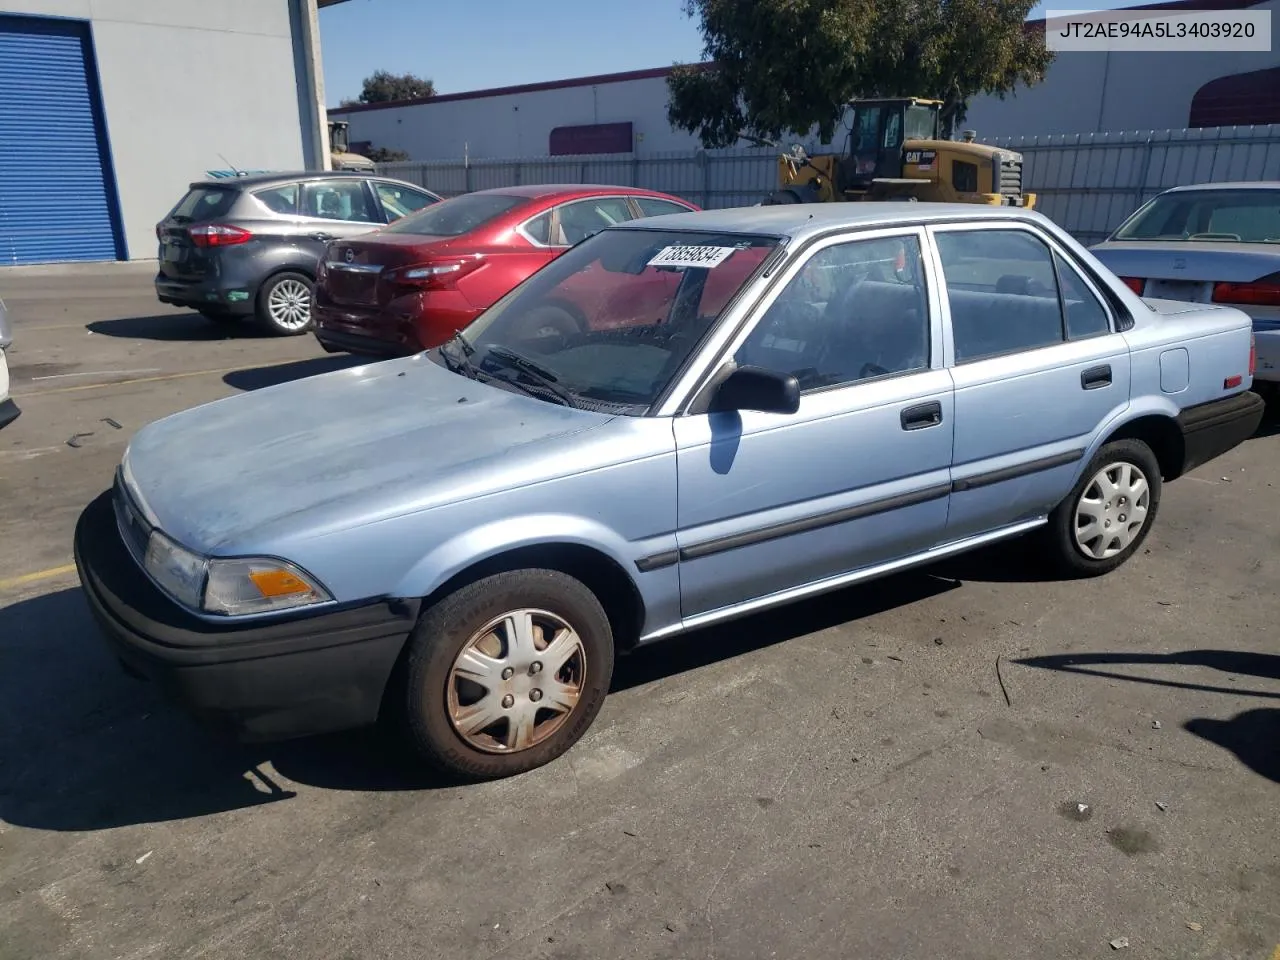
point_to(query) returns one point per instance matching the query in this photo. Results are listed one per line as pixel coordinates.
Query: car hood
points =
(342, 449)
(1200, 260)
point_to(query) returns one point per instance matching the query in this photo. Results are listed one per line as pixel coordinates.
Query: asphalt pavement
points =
(967, 762)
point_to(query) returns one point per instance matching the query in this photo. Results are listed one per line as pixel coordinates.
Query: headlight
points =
(176, 569)
(238, 587)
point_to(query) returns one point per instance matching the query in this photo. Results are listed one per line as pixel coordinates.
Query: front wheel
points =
(284, 304)
(1108, 514)
(506, 674)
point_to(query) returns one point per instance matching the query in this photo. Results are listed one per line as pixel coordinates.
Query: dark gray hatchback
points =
(249, 246)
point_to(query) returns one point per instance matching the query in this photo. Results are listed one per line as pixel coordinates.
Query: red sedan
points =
(412, 284)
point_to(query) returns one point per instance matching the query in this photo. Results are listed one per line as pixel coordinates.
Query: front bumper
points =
(209, 294)
(9, 412)
(259, 680)
(1211, 429)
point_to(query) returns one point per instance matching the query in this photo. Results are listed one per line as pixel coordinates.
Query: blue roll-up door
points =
(56, 188)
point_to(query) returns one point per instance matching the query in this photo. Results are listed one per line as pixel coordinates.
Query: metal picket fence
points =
(1088, 183)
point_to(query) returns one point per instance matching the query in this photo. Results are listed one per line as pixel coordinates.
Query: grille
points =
(1011, 178)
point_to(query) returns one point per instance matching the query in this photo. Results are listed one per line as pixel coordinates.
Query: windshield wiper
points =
(532, 369)
(461, 362)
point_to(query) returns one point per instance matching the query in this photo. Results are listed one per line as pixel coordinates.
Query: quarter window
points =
(539, 229)
(854, 312)
(337, 200)
(282, 199)
(1002, 286)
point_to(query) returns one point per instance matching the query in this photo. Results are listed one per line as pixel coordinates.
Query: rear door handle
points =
(1096, 377)
(922, 415)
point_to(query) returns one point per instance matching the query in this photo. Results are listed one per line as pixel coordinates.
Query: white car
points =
(8, 409)
(1209, 243)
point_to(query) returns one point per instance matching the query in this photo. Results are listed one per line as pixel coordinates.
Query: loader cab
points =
(877, 131)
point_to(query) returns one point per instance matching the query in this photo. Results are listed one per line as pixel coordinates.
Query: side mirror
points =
(754, 388)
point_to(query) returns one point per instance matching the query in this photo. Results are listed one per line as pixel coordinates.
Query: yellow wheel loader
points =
(895, 151)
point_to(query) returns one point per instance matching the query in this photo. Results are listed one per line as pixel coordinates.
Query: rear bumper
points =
(236, 300)
(1211, 429)
(259, 681)
(9, 412)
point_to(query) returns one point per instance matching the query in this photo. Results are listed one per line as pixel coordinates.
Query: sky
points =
(463, 46)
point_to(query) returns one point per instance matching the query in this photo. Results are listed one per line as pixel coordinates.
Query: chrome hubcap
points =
(290, 304)
(1112, 510)
(516, 681)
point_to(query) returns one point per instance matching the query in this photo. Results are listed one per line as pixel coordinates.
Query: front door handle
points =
(1096, 377)
(922, 415)
(323, 236)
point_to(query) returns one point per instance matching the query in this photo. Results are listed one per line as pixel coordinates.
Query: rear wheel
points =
(1107, 516)
(506, 674)
(284, 304)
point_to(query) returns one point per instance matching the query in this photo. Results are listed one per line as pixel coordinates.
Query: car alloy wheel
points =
(289, 304)
(1112, 510)
(516, 681)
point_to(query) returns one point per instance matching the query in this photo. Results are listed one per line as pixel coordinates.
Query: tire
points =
(434, 698)
(218, 316)
(278, 306)
(1085, 556)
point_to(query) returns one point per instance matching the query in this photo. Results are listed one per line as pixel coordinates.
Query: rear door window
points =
(650, 207)
(400, 201)
(203, 203)
(282, 199)
(338, 200)
(580, 219)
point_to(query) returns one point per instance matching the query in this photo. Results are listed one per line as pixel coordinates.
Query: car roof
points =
(801, 221)
(268, 179)
(537, 191)
(1228, 185)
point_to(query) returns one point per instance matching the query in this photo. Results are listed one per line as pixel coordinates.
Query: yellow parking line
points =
(122, 383)
(37, 576)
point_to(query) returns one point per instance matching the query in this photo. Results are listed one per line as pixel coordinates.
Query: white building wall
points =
(185, 83)
(519, 124)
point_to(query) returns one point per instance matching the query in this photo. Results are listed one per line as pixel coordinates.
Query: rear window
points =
(203, 203)
(1240, 216)
(453, 218)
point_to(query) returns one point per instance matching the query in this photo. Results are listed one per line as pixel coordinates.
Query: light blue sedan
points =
(679, 421)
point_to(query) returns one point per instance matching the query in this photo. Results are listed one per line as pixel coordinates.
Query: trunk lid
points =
(354, 267)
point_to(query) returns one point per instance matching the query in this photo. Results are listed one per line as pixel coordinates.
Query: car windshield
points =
(608, 324)
(1242, 216)
(459, 215)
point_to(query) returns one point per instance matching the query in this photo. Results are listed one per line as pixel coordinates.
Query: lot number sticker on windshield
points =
(689, 256)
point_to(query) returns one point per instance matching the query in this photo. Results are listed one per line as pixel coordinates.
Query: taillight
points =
(1253, 354)
(1259, 293)
(1136, 284)
(436, 274)
(218, 235)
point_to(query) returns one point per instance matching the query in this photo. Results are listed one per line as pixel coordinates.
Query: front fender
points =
(454, 555)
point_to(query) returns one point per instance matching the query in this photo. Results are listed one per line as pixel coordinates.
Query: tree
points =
(382, 87)
(781, 67)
